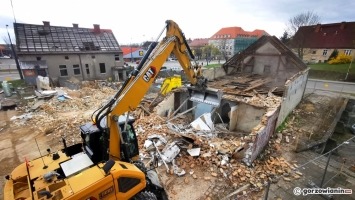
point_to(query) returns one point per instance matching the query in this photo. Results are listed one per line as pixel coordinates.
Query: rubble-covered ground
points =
(216, 171)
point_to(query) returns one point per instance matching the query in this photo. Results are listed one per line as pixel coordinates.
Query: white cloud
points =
(139, 20)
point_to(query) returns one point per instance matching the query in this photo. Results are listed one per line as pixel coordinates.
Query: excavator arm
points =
(136, 86)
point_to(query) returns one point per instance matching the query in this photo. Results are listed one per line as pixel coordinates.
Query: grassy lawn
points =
(212, 66)
(337, 72)
(15, 83)
(343, 68)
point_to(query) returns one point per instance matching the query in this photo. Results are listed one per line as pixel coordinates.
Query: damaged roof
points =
(39, 39)
(237, 59)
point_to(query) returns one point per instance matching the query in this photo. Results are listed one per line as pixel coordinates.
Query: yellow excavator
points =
(106, 164)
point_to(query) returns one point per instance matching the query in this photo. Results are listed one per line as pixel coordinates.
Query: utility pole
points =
(15, 55)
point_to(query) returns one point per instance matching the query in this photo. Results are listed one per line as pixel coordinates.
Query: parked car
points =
(353, 128)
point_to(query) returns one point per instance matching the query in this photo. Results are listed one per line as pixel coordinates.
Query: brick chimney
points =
(46, 23)
(75, 25)
(97, 28)
(342, 25)
(317, 28)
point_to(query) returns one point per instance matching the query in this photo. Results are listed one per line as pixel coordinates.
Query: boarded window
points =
(63, 70)
(76, 69)
(102, 68)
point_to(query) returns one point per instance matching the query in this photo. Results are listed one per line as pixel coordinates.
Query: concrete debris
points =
(43, 83)
(22, 117)
(45, 93)
(203, 123)
(170, 152)
(194, 152)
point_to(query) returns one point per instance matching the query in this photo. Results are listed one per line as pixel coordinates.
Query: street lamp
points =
(15, 55)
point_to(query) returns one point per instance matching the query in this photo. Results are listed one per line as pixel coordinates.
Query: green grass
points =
(212, 66)
(343, 68)
(15, 83)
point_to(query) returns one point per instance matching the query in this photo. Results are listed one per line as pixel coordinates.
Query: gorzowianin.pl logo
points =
(306, 191)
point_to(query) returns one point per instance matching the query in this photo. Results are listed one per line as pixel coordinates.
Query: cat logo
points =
(106, 192)
(150, 73)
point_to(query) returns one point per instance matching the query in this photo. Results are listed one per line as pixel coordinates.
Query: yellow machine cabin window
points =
(125, 183)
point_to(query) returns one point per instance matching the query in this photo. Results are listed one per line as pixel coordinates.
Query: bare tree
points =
(295, 23)
(303, 19)
(6, 39)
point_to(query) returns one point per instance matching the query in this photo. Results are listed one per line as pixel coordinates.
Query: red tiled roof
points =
(235, 32)
(199, 42)
(127, 50)
(336, 35)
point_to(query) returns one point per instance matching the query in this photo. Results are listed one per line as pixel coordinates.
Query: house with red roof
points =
(317, 42)
(231, 40)
(196, 46)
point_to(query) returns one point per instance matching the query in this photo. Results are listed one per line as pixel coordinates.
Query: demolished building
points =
(261, 85)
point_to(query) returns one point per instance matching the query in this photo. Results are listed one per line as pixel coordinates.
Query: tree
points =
(208, 51)
(295, 23)
(303, 19)
(198, 52)
(333, 55)
(285, 38)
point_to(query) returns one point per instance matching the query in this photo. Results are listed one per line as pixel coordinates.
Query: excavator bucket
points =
(208, 96)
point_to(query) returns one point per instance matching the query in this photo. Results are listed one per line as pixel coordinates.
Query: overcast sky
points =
(134, 21)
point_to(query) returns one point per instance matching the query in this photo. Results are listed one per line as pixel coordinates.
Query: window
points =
(63, 70)
(87, 68)
(347, 52)
(76, 69)
(117, 57)
(38, 58)
(325, 51)
(102, 68)
(92, 56)
(314, 52)
(66, 57)
(267, 69)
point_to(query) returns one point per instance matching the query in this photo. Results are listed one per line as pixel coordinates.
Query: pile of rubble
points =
(184, 152)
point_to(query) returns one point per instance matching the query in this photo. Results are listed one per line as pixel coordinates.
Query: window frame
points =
(75, 68)
(100, 67)
(325, 52)
(63, 68)
(87, 69)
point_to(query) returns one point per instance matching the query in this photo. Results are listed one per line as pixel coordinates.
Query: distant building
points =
(231, 40)
(5, 50)
(64, 52)
(319, 41)
(133, 54)
(196, 46)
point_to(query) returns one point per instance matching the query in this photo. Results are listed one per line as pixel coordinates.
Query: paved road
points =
(334, 86)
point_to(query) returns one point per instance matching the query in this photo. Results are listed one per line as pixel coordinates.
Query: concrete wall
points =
(213, 73)
(262, 137)
(268, 61)
(53, 62)
(167, 104)
(293, 94)
(248, 117)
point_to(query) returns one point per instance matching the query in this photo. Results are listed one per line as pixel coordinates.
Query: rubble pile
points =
(218, 157)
